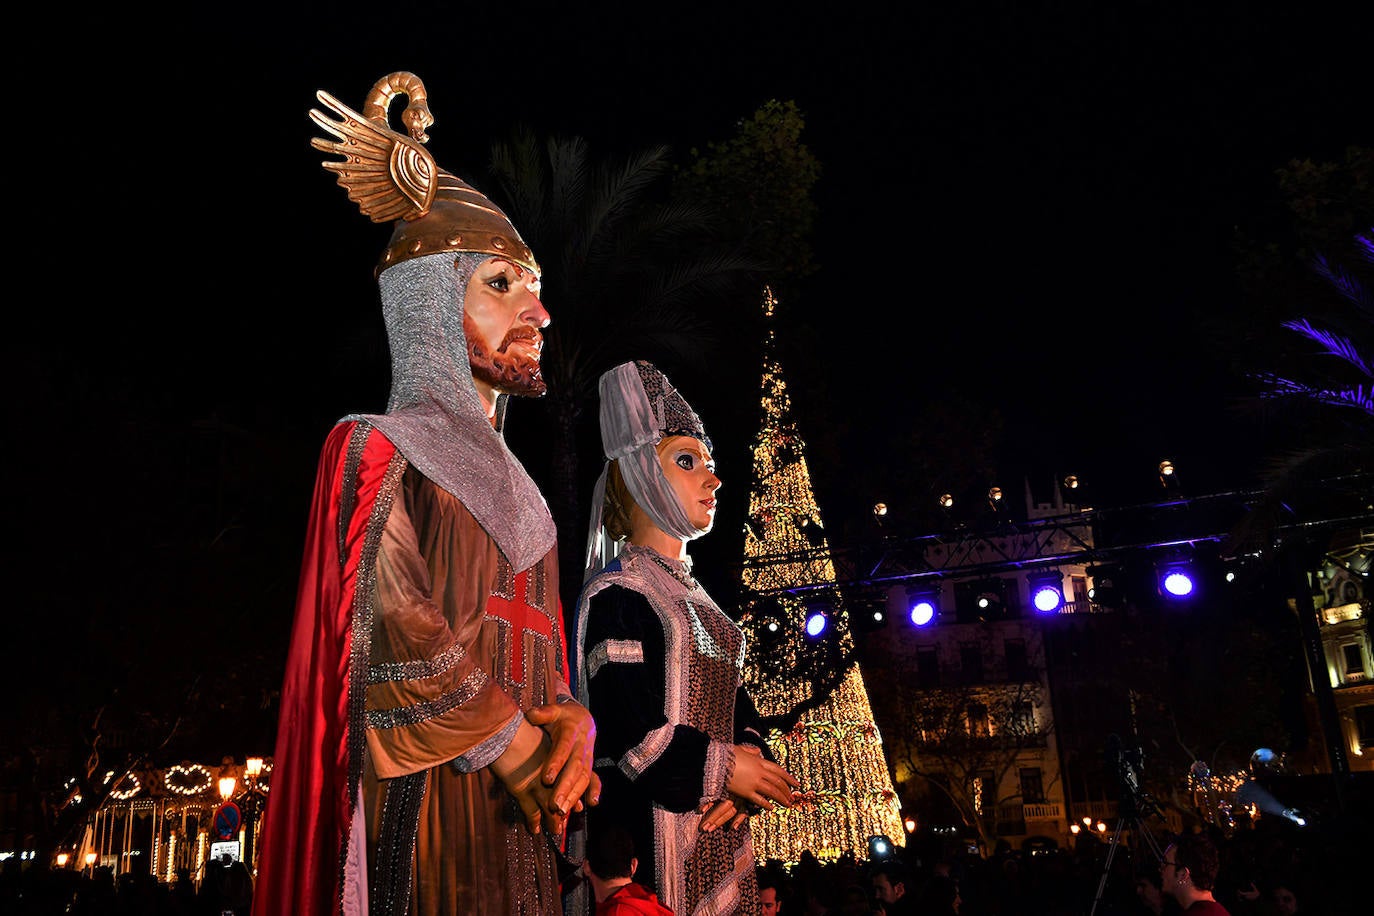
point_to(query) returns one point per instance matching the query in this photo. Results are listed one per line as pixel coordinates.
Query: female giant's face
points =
(691, 473)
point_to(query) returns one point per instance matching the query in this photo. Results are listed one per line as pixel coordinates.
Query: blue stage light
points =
(1176, 580)
(1047, 590)
(816, 622)
(925, 606)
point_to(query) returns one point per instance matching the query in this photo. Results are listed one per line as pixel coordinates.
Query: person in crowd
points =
(429, 747)
(1189, 874)
(679, 748)
(770, 896)
(610, 867)
(888, 878)
(939, 897)
(1148, 893)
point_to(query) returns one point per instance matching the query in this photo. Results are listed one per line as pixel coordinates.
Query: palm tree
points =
(629, 272)
(1328, 400)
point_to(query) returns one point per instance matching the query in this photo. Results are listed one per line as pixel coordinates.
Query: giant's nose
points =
(532, 311)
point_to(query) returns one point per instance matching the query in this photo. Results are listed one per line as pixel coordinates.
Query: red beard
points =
(506, 372)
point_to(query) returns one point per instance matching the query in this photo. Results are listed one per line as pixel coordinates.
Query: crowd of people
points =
(1267, 869)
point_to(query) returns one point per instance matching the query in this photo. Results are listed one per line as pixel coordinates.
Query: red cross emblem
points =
(521, 618)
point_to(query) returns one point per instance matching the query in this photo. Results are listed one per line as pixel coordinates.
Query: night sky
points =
(1026, 206)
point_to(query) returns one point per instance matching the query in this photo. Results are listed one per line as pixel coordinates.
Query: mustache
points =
(524, 332)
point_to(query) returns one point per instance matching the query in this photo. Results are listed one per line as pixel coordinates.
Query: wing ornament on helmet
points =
(388, 175)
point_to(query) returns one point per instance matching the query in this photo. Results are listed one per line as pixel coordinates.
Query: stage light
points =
(981, 599)
(1106, 589)
(1046, 590)
(1176, 579)
(946, 500)
(994, 497)
(816, 623)
(924, 607)
(879, 847)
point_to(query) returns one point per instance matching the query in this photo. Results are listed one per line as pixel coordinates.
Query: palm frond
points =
(1334, 344)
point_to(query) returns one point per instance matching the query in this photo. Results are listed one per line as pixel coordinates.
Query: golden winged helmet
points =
(391, 176)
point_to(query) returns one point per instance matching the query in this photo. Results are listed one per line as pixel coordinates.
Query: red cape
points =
(309, 808)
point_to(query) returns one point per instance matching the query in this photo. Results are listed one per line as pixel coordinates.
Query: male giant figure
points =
(429, 749)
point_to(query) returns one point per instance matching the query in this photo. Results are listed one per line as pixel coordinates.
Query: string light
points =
(834, 750)
(188, 780)
(127, 788)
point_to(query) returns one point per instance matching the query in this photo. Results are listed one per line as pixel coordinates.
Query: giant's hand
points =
(569, 765)
(731, 810)
(518, 768)
(760, 782)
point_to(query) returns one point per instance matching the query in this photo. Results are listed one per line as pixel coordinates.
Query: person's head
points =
(1285, 898)
(1147, 891)
(659, 474)
(690, 472)
(502, 318)
(770, 904)
(888, 879)
(610, 861)
(392, 177)
(1190, 866)
(941, 895)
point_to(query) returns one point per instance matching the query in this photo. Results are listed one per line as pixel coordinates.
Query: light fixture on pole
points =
(1168, 475)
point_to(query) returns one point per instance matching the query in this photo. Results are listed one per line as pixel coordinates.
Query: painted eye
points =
(501, 283)
(685, 462)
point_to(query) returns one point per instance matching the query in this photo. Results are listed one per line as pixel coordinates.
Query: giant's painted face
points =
(502, 318)
(691, 473)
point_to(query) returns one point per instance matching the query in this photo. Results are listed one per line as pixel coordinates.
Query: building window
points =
(1364, 725)
(1032, 786)
(1017, 669)
(927, 668)
(971, 663)
(1023, 718)
(1354, 662)
(977, 720)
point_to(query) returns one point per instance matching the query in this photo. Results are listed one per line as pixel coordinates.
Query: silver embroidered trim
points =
(720, 762)
(621, 651)
(483, 754)
(423, 712)
(640, 757)
(417, 670)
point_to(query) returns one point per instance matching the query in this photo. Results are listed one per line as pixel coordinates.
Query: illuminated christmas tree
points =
(808, 688)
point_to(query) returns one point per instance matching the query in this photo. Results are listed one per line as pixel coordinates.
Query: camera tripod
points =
(1130, 811)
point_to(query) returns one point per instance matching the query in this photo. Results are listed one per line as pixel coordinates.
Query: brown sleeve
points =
(430, 695)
